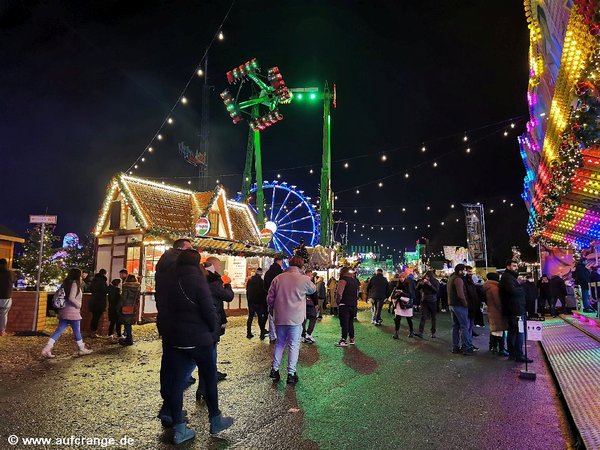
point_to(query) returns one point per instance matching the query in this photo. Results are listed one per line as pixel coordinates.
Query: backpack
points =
(59, 300)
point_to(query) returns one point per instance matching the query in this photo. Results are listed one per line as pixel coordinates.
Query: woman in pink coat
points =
(70, 315)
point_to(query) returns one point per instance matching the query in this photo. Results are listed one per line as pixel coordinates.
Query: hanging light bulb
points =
(357, 191)
(184, 100)
(143, 159)
(506, 133)
(159, 137)
(310, 171)
(443, 223)
(221, 35)
(355, 211)
(335, 197)
(217, 181)
(346, 165)
(403, 209)
(379, 210)
(135, 167)
(189, 181)
(150, 149)
(381, 228)
(278, 175)
(465, 138)
(423, 149)
(383, 158)
(428, 208)
(200, 72)
(380, 184)
(512, 125)
(468, 150)
(406, 175)
(169, 120)
(452, 206)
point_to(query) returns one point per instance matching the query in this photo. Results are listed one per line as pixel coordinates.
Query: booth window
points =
(133, 260)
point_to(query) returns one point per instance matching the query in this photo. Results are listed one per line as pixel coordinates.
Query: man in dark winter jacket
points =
(221, 292)
(275, 269)
(257, 304)
(462, 339)
(513, 307)
(428, 287)
(165, 278)
(531, 295)
(582, 278)
(378, 291)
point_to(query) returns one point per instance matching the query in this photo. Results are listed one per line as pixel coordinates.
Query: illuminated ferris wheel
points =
(289, 215)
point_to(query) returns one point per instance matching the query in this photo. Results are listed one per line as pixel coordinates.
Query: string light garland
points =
(182, 99)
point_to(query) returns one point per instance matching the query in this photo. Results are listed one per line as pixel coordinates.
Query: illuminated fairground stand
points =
(560, 148)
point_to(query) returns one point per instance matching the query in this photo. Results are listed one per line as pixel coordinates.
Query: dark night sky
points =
(85, 85)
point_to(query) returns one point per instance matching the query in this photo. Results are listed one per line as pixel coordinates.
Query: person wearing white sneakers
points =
(70, 315)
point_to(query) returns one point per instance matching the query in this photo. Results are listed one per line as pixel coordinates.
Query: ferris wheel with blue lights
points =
(289, 214)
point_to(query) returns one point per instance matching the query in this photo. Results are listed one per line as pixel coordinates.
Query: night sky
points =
(85, 86)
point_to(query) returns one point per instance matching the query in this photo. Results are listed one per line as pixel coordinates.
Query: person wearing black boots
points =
(189, 333)
(496, 319)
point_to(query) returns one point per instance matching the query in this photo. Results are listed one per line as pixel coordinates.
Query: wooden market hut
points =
(8, 239)
(140, 219)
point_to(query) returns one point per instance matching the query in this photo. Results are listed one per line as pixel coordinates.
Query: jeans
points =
(261, 312)
(62, 326)
(5, 305)
(128, 333)
(272, 332)
(166, 372)
(287, 335)
(428, 310)
(585, 299)
(179, 361)
(461, 336)
(347, 314)
(377, 306)
(514, 338)
(201, 384)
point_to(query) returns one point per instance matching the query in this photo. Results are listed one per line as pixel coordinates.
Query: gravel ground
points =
(381, 394)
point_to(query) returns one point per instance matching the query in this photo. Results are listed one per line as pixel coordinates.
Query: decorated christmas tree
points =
(52, 269)
(302, 252)
(79, 254)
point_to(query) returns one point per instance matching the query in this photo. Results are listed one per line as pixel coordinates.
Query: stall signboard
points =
(237, 271)
(202, 226)
(266, 235)
(51, 220)
(535, 328)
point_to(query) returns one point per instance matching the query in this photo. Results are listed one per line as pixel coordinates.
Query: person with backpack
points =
(69, 315)
(126, 307)
(114, 296)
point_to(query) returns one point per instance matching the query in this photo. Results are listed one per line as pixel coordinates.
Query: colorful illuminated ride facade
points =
(561, 147)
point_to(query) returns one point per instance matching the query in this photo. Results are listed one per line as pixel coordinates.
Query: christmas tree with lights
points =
(52, 269)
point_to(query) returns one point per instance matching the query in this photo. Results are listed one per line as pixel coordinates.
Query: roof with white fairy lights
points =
(171, 212)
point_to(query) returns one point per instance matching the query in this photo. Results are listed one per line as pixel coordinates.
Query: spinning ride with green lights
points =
(266, 93)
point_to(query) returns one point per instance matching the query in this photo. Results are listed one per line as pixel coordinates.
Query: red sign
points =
(202, 226)
(266, 235)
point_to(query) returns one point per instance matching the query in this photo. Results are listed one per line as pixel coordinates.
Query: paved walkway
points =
(381, 394)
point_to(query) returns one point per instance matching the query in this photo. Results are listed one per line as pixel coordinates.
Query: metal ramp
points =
(574, 356)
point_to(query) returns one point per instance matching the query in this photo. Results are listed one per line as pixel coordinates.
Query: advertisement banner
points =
(475, 232)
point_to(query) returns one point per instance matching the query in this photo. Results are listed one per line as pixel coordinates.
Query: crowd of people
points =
(191, 318)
